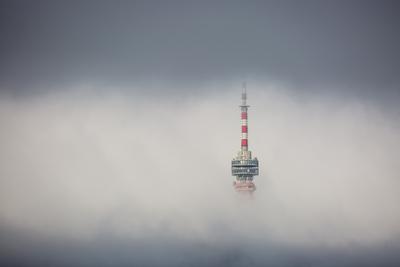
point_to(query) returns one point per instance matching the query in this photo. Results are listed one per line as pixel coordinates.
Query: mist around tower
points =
(118, 205)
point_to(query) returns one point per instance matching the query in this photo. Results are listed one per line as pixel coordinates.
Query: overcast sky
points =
(119, 120)
(349, 45)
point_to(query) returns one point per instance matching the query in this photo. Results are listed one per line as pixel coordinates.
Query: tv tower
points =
(244, 167)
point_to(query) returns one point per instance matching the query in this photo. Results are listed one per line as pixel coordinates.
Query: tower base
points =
(244, 186)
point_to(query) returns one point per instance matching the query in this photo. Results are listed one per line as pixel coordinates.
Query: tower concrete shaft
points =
(244, 167)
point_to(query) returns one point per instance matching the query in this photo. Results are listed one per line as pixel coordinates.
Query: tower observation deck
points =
(244, 167)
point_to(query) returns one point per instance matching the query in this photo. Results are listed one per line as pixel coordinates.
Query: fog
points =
(108, 177)
(118, 121)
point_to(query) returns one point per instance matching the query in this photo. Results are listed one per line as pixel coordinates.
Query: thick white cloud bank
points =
(78, 165)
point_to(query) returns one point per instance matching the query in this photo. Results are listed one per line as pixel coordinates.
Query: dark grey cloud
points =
(27, 250)
(351, 45)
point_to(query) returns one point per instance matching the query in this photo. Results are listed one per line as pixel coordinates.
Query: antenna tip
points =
(244, 86)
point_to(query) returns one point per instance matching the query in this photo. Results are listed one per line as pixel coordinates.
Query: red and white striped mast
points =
(244, 167)
(244, 107)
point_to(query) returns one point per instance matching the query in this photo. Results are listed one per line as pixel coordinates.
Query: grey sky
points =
(119, 120)
(348, 45)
